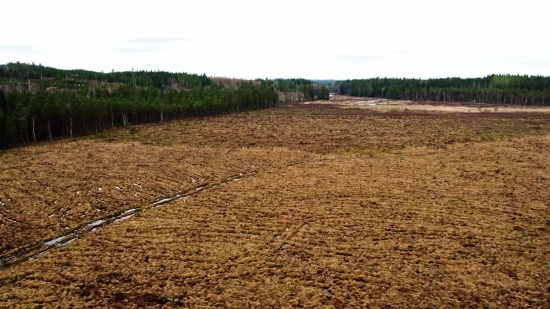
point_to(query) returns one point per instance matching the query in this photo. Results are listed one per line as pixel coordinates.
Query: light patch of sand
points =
(384, 105)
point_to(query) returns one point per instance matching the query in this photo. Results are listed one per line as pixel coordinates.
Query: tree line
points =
(39, 103)
(497, 89)
(18, 74)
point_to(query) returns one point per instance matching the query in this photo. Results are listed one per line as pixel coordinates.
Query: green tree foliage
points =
(133, 131)
(40, 103)
(499, 89)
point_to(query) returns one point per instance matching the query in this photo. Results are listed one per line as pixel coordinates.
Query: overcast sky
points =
(336, 39)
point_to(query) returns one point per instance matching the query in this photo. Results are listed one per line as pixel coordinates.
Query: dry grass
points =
(337, 131)
(49, 189)
(439, 211)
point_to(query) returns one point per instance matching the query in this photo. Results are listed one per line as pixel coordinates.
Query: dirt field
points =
(383, 105)
(289, 207)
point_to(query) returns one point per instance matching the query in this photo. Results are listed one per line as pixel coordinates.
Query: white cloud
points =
(321, 39)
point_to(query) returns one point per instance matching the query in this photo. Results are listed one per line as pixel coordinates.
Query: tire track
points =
(36, 250)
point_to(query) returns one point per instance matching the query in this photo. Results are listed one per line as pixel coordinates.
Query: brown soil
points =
(348, 208)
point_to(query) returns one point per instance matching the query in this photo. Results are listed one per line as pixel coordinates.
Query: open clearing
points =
(384, 105)
(329, 207)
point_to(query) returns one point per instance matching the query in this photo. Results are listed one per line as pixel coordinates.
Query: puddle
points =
(118, 188)
(165, 200)
(123, 218)
(130, 210)
(284, 246)
(96, 223)
(55, 241)
(276, 237)
(68, 242)
(37, 255)
(327, 292)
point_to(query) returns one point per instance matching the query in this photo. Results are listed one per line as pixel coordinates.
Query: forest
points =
(496, 89)
(42, 103)
(39, 103)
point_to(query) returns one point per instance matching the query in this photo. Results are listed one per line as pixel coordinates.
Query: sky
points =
(271, 39)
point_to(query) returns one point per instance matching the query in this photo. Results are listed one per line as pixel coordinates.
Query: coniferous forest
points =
(40, 103)
(496, 89)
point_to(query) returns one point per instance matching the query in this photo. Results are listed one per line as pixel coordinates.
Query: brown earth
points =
(348, 208)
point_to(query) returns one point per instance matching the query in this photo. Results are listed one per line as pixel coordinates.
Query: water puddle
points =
(68, 242)
(123, 218)
(165, 200)
(276, 237)
(96, 223)
(55, 241)
(284, 246)
(118, 188)
(327, 292)
(37, 255)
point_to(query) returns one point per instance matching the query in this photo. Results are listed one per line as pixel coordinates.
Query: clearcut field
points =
(335, 208)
